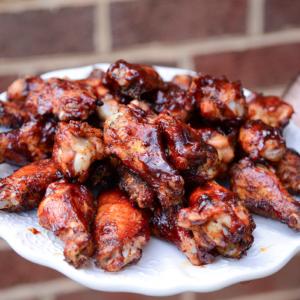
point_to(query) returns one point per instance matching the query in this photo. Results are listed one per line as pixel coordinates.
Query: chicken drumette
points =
(270, 109)
(133, 79)
(31, 142)
(218, 220)
(261, 141)
(183, 81)
(263, 193)
(138, 144)
(119, 231)
(164, 226)
(288, 171)
(195, 160)
(25, 188)
(20, 88)
(68, 211)
(220, 100)
(63, 99)
(76, 146)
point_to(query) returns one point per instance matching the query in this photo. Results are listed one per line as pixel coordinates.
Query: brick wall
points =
(257, 41)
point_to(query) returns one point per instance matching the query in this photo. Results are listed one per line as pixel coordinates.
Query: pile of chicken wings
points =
(155, 152)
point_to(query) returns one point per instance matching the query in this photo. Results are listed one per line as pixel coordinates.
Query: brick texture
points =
(5, 81)
(39, 32)
(282, 14)
(16, 270)
(95, 295)
(138, 22)
(254, 67)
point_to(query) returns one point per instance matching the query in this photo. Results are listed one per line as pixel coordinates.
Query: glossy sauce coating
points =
(25, 188)
(261, 141)
(31, 142)
(183, 81)
(133, 79)
(119, 231)
(68, 211)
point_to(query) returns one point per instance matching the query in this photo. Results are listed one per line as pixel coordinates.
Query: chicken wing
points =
(64, 99)
(195, 160)
(177, 102)
(261, 141)
(119, 231)
(133, 79)
(164, 226)
(138, 145)
(25, 188)
(183, 81)
(31, 142)
(68, 211)
(288, 171)
(263, 193)
(137, 189)
(270, 109)
(20, 88)
(76, 146)
(220, 100)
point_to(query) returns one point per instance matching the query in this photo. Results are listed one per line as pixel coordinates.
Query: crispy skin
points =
(64, 99)
(138, 145)
(133, 79)
(76, 146)
(13, 115)
(196, 161)
(263, 193)
(183, 81)
(164, 226)
(20, 88)
(68, 211)
(270, 109)
(217, 218)
(31, 142)
(25, 188)
(220, 100)
(288, 171)
(119, 231)
(179, 103)
(137, 189)
(261, 141)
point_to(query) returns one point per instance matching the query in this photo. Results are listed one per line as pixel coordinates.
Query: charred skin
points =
(68, 211)
(119, 231)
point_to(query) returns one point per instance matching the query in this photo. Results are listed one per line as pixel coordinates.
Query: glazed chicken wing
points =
(25, 188)
(138, 145)
(263, 193)
(270, 109)
(119, 231)
(137, 189)
(220, 100)
(217, 219)
(164, 226)
(133, 79)
(261, 141)
(31, 142)
(63, 99)
(76, 146)
(195, 160)
(68, 211)
(183, 81)
(177, 102)
(288, 171)
(20, 88)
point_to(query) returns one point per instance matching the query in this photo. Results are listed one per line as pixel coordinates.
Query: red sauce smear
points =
(34, 231)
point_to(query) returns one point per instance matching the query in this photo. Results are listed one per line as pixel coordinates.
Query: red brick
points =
(254, 67)
(16, 270)
(5, 81)
(138, 22)
(282, 14)
(39, 32)
(95, 295)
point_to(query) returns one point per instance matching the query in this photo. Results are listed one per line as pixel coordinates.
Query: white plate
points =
(163, 270)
